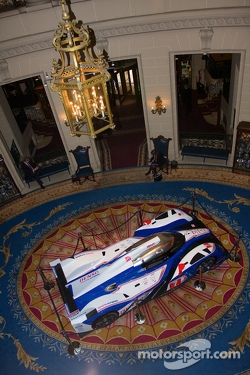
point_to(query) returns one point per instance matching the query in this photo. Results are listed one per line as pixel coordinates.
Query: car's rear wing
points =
(64, 291)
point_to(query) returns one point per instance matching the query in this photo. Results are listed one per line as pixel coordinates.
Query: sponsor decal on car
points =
(177, 282)
(89, 276)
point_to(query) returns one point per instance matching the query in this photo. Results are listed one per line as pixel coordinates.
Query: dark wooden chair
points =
(84, 170)
(161, 145)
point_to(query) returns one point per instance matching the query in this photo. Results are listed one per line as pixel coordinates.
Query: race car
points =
(98, 286)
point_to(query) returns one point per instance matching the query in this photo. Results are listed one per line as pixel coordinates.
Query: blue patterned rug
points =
(31, 340)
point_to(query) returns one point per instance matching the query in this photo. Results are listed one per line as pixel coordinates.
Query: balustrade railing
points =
(213, 140)
(51, 157)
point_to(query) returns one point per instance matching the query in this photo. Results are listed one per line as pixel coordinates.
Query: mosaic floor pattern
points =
(170, 318)
(45, 225)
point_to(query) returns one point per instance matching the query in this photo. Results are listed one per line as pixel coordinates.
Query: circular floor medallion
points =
(170, 318)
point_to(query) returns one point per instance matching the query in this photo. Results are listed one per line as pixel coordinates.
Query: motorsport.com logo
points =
(187, 354)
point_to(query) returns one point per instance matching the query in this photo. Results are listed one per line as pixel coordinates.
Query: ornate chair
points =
(84, 170)
(161, 145)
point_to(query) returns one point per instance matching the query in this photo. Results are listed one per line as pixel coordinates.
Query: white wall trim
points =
(134, 25)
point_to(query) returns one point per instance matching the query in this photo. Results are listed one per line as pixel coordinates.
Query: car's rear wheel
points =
(105, 320)
(206, 265)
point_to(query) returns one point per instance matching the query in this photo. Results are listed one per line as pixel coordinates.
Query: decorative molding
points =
(206, 36)
(4, 71)
(26, 48)
(30, 3)
(177, 24)
(138, 28)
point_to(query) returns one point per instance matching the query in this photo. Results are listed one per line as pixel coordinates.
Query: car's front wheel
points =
(206, 265)
(105, 320)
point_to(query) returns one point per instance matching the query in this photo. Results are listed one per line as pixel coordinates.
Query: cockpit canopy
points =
(155, 249)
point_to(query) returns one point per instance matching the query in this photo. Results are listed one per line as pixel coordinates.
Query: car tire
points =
(105, 320)
(206, 265)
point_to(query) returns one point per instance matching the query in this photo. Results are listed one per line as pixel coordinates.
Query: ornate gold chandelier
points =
(80, 78)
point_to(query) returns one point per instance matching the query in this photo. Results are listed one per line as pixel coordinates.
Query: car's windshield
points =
(166, 214)
(159, 246)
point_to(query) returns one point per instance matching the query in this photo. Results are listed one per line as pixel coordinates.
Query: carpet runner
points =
(127, 150)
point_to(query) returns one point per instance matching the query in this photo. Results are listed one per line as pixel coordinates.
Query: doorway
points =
(204, 99)
(35, 133)
(126, 145)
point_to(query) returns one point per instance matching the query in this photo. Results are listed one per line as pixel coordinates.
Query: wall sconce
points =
(158, 106)
(206, 35)
(80, 77)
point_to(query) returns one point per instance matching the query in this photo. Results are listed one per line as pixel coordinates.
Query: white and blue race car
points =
(98, 286)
